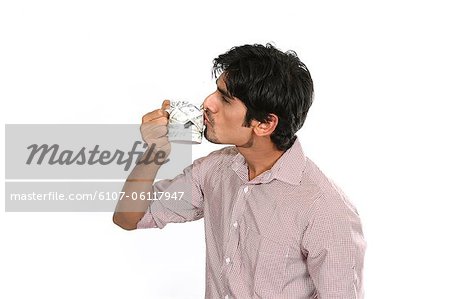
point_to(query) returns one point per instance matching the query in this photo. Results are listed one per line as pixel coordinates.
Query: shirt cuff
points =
(147, 221)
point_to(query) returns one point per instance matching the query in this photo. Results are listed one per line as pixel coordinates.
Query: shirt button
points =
(246, 189)
(227, 260)
(235, 224)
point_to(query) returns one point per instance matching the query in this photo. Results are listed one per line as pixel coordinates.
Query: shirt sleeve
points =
(334, 246)
(175, 200)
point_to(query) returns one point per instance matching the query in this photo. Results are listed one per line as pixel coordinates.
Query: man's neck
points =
(260, 157)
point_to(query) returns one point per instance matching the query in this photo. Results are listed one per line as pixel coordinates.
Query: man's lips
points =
(205, 118)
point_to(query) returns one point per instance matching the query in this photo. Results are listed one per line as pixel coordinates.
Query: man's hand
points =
(140, 181)
(154, 128)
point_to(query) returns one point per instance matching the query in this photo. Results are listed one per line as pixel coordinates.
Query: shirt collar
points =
(288, 168)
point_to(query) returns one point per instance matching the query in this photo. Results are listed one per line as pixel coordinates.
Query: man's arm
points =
(154, 131)
(335, 247)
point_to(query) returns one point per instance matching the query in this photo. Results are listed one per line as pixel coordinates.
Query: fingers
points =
(151, 116)
(154, 128)
(165, 105)
(152, 131)
(155, 135)
(158, 113)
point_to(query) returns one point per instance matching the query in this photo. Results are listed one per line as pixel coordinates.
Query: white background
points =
(379, 127)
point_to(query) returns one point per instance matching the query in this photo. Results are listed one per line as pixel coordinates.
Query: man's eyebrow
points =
(223, 92)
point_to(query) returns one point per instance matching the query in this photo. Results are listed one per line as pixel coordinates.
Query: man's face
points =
(224, 118)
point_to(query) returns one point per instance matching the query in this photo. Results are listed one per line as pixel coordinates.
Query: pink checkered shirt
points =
(288, 233)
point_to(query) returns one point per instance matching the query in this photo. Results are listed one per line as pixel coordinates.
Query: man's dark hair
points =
(267, 81)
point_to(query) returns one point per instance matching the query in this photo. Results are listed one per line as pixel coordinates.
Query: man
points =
(275, 225)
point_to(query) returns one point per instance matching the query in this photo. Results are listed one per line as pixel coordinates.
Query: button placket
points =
(233, 239)
(227, 260)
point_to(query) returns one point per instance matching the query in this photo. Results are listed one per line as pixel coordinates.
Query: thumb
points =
(165, 105)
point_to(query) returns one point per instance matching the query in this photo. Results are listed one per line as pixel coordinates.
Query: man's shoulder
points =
(328, 194)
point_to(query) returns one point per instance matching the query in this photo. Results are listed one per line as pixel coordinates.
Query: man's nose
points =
(208, 103)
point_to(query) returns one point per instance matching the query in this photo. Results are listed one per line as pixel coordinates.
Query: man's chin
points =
(211, 139)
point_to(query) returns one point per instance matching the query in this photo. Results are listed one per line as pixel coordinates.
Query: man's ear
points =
(266, 128)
